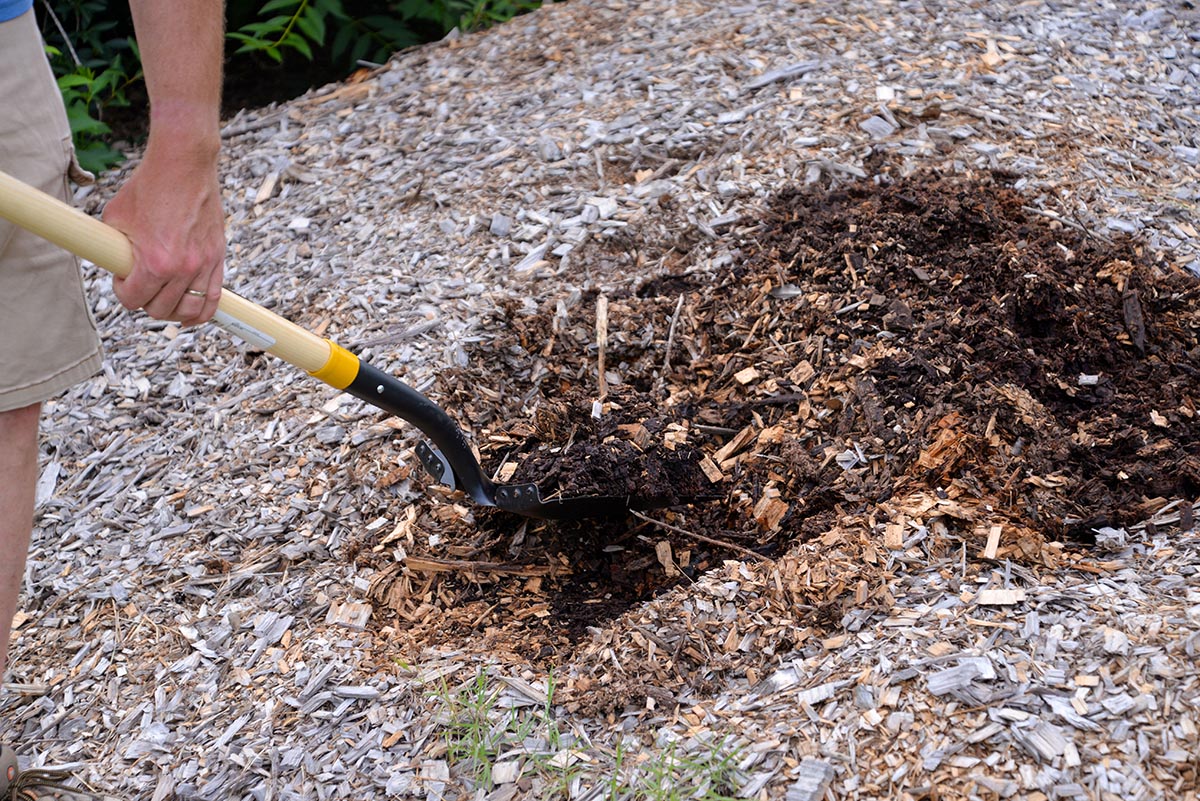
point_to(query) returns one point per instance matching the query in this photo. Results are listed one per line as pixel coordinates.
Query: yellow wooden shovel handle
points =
(107, 247)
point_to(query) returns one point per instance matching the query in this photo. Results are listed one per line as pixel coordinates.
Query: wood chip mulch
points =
(896, 313)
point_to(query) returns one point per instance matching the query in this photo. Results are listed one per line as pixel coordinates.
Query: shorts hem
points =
(50, 387)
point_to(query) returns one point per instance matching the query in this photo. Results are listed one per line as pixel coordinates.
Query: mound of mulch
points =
(907, 353)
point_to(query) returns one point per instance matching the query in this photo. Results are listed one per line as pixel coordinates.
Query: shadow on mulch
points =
(925, 333)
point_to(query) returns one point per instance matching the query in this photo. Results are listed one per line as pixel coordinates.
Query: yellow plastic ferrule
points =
(341, 369)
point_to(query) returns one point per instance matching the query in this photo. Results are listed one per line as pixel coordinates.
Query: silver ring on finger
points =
(196, 293)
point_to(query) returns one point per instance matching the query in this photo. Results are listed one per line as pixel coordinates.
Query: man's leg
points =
(18, 483)
(18, 478)
(48, 340)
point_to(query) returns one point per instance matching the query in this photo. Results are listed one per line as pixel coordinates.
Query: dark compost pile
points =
(870, 351)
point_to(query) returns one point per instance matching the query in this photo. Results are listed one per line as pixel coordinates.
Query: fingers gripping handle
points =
(106, 247)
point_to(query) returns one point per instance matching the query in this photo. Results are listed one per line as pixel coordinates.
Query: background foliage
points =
(279, 48)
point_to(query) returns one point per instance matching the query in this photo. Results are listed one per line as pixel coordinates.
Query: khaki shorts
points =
(48, 340)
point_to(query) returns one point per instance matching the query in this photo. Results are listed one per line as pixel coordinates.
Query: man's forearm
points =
(182, 46)
(170, 207)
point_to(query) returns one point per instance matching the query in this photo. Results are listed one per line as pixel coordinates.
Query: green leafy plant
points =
(288, 25)
(478, 733)
(363, 29)
(670, 776)
(86, 94)
(475, 14)
(372, 38)
(95, 68)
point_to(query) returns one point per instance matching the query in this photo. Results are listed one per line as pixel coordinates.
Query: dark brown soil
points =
(623, 453)
(905, 335)
(1000, 317)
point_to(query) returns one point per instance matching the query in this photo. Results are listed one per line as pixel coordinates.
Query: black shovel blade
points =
(526, 499)
(521, 499)
(448, 457)
(585, 507)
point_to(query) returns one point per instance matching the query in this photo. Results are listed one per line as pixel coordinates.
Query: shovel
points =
(449, 459)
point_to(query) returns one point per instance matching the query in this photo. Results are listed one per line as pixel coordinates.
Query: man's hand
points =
(171, 211)
(171, 206)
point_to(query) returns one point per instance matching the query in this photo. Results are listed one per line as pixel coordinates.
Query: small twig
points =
(1066, 221)
(602, 340)
(981, 113)
(414, 195)
(599, 168)
(702, 538)
(238, 128)
(720, 431)
(62, 31)
(116, 621)
(428, 564)
(570, 439)
(671, 334)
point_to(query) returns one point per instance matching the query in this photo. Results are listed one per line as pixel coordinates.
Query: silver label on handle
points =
(242, 331)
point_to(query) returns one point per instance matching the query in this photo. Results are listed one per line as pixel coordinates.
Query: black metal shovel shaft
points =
(453, 461)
